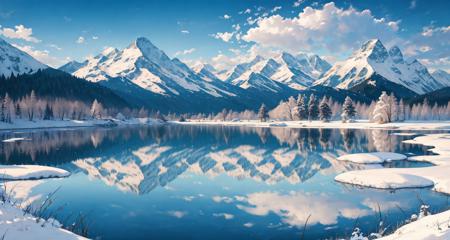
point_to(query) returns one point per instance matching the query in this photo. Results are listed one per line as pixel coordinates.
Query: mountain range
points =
(144, 75)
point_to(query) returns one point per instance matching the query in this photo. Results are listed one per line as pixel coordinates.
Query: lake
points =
(214, 182)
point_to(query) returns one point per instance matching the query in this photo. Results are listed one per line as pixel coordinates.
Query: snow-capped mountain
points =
(146, 66)
(373, 64)
(442, 76)
(15, 61)
(297, 72)
(72, 66)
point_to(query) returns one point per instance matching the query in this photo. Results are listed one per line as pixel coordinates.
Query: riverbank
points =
(358, 124)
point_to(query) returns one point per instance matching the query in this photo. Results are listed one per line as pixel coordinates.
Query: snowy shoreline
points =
(435, 226)
(358, 124)
(61, 124)
(18, 223)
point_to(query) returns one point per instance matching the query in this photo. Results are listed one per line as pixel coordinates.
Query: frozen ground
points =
(431, 227)
(15, 223)
(359, 124)
(24, 172)
(373, 157)
(25, 124)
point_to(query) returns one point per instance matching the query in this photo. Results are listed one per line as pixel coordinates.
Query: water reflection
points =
(141, 159)
(175, 181)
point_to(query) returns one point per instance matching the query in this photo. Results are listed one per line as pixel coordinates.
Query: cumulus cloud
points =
(226, 16)
(19, 32)
(185, 32)
(224, 36)
(330, 27)
(185, 52)
(41, 55)
(94, 37)
(80, 40)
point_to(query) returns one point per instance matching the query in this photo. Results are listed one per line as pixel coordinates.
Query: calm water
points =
(198, 182)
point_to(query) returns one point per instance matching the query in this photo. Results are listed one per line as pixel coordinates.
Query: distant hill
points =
(52, 83)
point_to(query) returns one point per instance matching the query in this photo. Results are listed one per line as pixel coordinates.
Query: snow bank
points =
(430, 227)
(23, 172)
(358, 124)
(373, 157)
(15, 224)
(15, 139)
(384, 179)
(25, 124)
(437, 176)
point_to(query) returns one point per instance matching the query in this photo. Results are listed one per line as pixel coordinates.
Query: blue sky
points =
(224, 32)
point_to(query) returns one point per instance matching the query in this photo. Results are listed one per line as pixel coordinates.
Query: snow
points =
(357, 124)
(430, 227)
(15, 224)
(15, 61)
(373, 157)
(372, 58)
(36, 124)
(23, 172)
(436, 176)
(15, 139)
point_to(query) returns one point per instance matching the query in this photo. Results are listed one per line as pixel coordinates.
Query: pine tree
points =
(324, 110)
(380, 113)
(348, 110)
(48, 112)
(262, 113)
(300, 110)
(2, 112)
(7, 101)
(313, 109)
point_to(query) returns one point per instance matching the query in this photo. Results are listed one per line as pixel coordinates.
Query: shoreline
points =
(358, 124)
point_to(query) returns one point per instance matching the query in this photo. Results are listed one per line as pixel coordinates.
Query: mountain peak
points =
(374, 50)
(109, 50)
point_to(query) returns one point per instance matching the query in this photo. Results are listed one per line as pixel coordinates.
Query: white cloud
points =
(425, 48)
(94, 37)
(297, 3)
(413, 4)
(185, 32)
(226, 16)
(225, 36)
(80, 40)
(275, 9)
(177, 214)
(227, 216)
(41, 55)
(55, 47)
(330, 27)
(19, 32)
(185, 52)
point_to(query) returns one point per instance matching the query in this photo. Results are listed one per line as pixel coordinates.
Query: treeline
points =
(31, 108)
(387, 109)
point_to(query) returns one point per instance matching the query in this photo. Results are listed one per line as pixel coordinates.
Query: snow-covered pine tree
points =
(292, 105)
(262, 113)
(380, 113)
(392, 108)
(324, 110)
(348, 110)
(313, 109)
